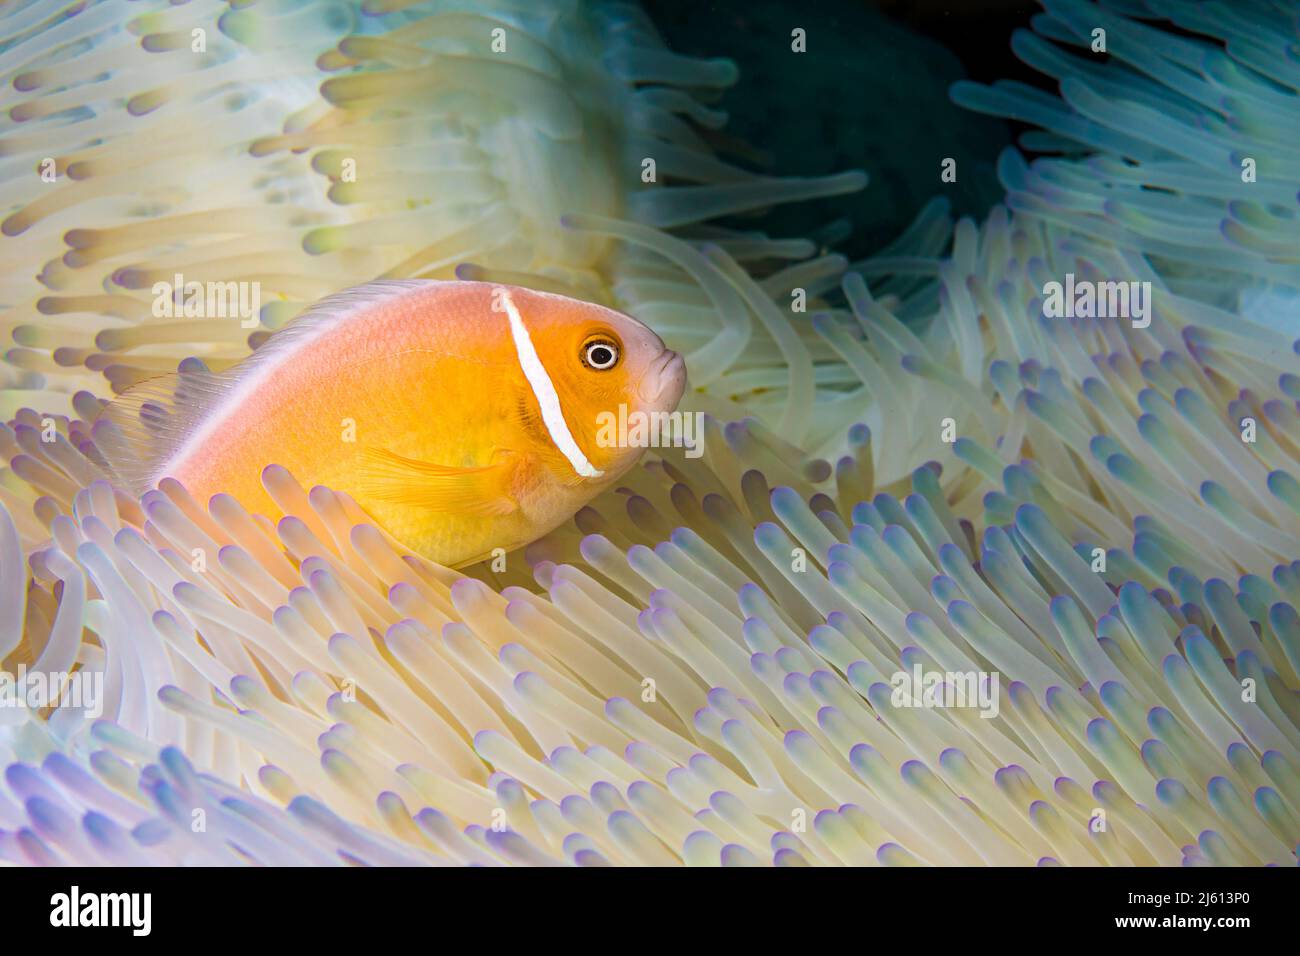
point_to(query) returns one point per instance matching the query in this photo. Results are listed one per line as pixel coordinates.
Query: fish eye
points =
(600, 354)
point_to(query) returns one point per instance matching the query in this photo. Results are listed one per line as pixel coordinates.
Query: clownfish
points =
(461, 416)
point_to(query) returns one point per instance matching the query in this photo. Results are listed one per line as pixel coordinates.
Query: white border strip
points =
(544, 390)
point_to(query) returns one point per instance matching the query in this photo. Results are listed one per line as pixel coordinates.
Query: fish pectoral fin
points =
(485, 492)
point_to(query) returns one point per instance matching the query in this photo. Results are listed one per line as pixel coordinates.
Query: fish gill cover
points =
(985, 551)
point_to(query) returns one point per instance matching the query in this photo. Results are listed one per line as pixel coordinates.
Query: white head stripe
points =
(547, 398)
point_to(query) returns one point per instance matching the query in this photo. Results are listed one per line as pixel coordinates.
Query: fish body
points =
(462, 416)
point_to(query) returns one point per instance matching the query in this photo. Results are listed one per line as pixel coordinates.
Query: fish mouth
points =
(665, 380)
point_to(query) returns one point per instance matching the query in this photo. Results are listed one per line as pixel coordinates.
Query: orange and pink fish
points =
(462, 416)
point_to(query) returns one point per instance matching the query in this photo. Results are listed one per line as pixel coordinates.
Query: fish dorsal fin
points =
(144, 428)
(324, 315)
(388, 476)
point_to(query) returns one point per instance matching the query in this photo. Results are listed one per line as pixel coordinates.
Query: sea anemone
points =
(440, 143)
(924, 473)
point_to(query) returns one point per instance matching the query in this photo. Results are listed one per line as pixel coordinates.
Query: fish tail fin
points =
(141, 430)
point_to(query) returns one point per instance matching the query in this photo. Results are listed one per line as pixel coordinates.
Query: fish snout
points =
(665, 380)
